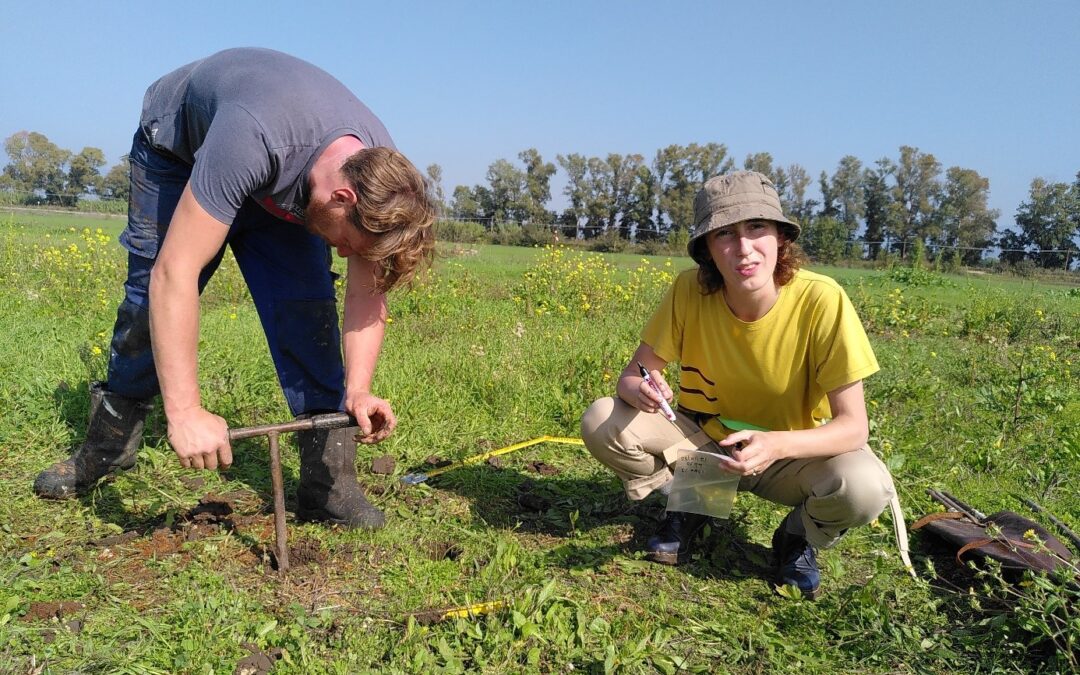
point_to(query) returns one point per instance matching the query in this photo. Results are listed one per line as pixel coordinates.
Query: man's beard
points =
(317, 216)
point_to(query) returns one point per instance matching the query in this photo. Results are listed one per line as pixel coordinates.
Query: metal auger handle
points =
(271, 431)
(327, 421)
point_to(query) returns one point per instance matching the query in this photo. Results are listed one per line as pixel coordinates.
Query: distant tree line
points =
(40, 172)
(866, 211)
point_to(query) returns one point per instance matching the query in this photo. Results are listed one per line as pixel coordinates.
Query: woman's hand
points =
(632, 387)
(752, 452)
(644, 397)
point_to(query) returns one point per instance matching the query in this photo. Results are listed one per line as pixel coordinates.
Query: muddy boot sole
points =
(60, 481)
(372, 519)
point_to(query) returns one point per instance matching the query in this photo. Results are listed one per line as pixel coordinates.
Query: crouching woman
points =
(759, 341)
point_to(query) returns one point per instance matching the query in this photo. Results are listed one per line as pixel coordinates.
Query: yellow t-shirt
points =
(774, 372)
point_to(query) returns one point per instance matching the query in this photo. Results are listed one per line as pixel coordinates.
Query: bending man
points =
(265, 153)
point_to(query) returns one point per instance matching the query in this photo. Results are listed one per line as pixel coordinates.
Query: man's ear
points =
(345, 196)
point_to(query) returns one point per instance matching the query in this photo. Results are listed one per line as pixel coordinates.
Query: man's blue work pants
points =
(286, 268)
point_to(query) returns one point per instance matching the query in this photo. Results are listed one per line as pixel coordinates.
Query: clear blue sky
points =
(982, 84)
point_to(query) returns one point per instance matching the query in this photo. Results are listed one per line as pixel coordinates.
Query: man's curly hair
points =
(393, 204)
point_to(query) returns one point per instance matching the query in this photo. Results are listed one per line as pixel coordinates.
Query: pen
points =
(668, 412)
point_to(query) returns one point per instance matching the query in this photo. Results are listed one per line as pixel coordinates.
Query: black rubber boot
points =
(112, 440)
(673, 542)
(328, 489)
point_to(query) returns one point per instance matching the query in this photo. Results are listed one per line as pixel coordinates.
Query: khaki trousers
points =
(830, 495)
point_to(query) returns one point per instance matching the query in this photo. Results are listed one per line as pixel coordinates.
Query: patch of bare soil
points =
(60, 611)
(430, 616)
(315, 582)
(46, 611)
(321, 574)
(306, 552)
(214, 514)
(302, 553)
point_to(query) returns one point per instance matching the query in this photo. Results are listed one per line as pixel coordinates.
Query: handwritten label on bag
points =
(701, 486)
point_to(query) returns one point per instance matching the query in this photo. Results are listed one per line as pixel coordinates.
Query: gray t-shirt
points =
(251, 123)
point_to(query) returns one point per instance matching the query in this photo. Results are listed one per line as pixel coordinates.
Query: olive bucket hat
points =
(735, 197)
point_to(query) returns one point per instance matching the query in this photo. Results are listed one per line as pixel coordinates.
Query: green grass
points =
(43, 227)
(977, 396)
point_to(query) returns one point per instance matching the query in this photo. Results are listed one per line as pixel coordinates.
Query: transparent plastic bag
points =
(701, 486)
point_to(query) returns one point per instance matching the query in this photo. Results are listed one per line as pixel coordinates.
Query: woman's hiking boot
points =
(796, 564)
(672, 543)
(329, 491)
(112, 440)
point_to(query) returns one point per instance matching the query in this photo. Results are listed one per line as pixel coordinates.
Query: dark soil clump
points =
(258, 662)
(212, 508)
(383, 465)
(428, 617)
(530, 500)
(115, 540)
(193, 482)
(542, 468)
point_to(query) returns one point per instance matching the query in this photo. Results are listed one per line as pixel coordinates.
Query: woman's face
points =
(745, 254)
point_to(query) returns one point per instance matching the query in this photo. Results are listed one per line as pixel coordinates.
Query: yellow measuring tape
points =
(477, 609)
(416, 478)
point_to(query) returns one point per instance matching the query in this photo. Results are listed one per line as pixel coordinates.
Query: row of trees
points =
(1049, 222)
(886, 206)
(618, 193)
(40, 172)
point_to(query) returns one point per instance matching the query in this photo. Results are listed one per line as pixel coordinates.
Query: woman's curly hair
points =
(789, 257)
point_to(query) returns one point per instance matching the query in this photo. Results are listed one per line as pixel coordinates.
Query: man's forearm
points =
(362, 336)
(174, 334)
(361, 353)
(363, 327)
(194, 237)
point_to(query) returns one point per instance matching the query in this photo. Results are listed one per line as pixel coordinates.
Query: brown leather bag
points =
(1000, 536)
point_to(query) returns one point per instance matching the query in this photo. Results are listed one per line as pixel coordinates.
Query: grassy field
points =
(162, 570)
